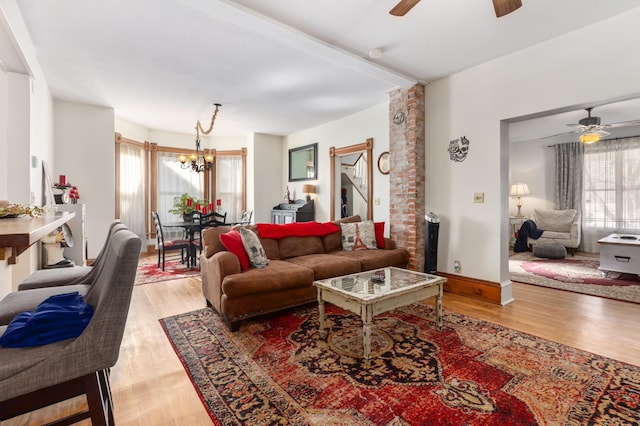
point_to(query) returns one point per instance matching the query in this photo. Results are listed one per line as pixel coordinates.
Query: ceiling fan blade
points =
(505, 7)
(624, 123)
(403, 7)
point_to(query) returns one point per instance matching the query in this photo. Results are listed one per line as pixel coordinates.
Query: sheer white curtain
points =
(132, 194)
(229, 185)
(611, 190)
(174, 181)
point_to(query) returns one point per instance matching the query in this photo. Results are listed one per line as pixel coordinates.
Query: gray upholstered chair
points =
(68, 276)
(35, 377)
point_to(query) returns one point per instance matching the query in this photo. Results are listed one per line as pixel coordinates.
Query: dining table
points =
(191, 229)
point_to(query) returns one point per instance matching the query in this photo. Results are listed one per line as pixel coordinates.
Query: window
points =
(131, 185)
(229, 184)
(612, 185)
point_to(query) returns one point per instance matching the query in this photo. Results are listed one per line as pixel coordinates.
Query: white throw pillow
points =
(358, 236)
(253, 247)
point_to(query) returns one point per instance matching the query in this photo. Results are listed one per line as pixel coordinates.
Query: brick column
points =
(407, 177)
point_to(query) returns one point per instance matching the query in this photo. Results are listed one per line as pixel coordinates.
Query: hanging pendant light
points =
(199, 161)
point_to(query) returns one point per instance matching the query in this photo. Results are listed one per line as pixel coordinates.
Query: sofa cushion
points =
(269, 245)
(278, 275)
(232, 241)
(211, 240)
(375, 259)
(253, 246)
(333, 242)
(554, 220)
(299, 246)
(379, 229)
(28, 300)
(327, 265)
(556, 235)
(358, 236)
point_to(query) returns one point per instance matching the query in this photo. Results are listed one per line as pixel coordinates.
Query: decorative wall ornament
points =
(458, 149)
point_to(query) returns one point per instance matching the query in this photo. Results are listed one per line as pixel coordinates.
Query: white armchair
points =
(560, 226)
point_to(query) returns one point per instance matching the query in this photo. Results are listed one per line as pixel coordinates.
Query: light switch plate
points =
(478, 197)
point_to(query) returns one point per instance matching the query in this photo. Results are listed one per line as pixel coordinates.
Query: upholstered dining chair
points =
(165, 246)
(70, 276)
(37, 376)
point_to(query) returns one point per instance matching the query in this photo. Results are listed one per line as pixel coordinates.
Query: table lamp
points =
(519, 189)
(308, 189)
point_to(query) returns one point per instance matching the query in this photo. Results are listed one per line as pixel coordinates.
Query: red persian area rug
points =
(148, 271)
(578, 273)
(279, 370)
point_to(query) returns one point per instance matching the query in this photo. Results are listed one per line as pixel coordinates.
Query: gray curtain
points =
(569, 164)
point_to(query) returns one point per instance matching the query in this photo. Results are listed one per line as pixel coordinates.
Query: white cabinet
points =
(620, 253)
(77, 253)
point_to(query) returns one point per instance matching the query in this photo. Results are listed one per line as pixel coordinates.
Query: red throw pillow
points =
(233, 243)
(379, 230)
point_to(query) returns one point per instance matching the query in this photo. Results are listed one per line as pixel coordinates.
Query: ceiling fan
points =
(502, 7)
(590, 126)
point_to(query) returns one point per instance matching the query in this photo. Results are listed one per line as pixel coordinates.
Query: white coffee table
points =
(620, 253)
(370, 293)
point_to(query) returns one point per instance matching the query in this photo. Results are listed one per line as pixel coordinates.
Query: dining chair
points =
(206, 221)
(165, 246)
(245, 217)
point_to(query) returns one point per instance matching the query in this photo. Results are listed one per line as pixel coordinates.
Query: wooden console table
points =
(17, 235)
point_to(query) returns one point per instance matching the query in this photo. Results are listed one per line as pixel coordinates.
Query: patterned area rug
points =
(278, 370)
(578, 273)
(148, 271)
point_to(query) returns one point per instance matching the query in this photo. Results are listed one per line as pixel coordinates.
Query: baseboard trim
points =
(474, 288)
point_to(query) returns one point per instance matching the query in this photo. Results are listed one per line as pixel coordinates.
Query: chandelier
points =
(199, 161)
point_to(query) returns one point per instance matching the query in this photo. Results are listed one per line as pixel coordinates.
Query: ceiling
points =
(276, 66)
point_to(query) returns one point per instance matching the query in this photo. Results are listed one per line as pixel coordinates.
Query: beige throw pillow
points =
(358, 236)
(253, 247)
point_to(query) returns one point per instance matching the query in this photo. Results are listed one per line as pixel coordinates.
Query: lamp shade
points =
(588, 138)
(519, 189)
(308, 189)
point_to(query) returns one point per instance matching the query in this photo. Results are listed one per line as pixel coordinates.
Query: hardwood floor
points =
(150, 386)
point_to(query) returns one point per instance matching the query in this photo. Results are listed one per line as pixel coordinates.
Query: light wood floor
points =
(150, 386)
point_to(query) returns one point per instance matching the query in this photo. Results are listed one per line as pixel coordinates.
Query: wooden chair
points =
(165, 246)
(245, 217)
(38, 376)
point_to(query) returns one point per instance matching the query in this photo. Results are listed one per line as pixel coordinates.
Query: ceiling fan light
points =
(589, 138)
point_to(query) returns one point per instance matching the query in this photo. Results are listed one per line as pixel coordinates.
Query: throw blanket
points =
(296, 229)
(58, 318)
(528, 229)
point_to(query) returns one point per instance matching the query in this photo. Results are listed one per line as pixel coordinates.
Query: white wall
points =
(533, 163)
(351, 130)
(266, 168)
(473, 103)
(26, 117)
(84, 151)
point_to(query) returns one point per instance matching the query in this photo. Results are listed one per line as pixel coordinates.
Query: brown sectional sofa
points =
(287, 281)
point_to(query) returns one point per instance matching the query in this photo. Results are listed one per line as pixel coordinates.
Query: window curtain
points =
(229, 186)
(611, 190)
(569, 163)
(173, 181)
(132, 194)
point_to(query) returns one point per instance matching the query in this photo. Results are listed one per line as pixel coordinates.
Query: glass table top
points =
(378, 282)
